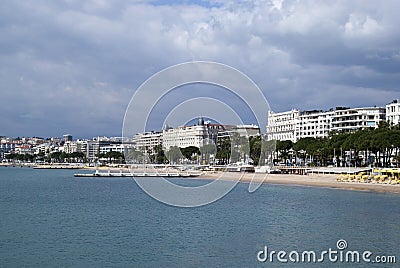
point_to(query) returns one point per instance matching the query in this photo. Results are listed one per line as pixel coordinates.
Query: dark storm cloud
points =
(72, 66)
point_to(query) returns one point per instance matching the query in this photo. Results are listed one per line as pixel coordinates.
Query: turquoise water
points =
(51, 219)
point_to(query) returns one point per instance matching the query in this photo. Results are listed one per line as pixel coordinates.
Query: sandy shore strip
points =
(326, 181)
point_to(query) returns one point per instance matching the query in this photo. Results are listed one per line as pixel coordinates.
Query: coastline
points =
(324, 181)
(315, 180)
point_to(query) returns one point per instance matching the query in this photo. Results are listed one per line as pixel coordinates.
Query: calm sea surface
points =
(51, 219)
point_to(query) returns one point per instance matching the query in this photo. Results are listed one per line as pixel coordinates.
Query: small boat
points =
(240, 167)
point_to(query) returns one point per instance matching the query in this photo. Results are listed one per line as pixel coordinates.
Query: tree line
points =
(59, 157)
(63, 157)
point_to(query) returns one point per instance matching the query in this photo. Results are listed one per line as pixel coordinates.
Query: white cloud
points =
(91, 54)
(362, 25)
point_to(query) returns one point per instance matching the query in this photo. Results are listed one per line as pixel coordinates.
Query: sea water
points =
(51, 219)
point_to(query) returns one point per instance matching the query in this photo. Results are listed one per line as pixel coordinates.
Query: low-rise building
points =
(24, 149)
(92, 148)
(120, 148)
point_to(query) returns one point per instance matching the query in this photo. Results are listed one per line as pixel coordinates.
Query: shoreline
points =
(315, 180)
(321, 181)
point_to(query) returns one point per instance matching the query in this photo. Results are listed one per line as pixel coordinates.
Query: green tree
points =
(207, 150)
(240, 148)
(190, 151)
(174, 155)
(283, 147)
(255, 149)
(55, 157)
(160, 155)
(115, 157)
(223, 150)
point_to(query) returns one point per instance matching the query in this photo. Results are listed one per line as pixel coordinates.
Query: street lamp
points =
(302, 153)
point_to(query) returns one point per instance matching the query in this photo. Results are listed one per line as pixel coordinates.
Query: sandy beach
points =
(328, 181)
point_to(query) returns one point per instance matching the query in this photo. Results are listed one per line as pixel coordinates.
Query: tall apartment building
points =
(315, 124)
(352, 119)
(393, 112)
(282, 126)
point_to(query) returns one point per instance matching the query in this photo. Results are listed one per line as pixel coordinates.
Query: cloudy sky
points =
(72, 66)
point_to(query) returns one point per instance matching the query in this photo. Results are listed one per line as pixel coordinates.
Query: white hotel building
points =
(186, 136)
(294, 125)
(282, 126)
(147, 140)
(393, 112)
(315, 124)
